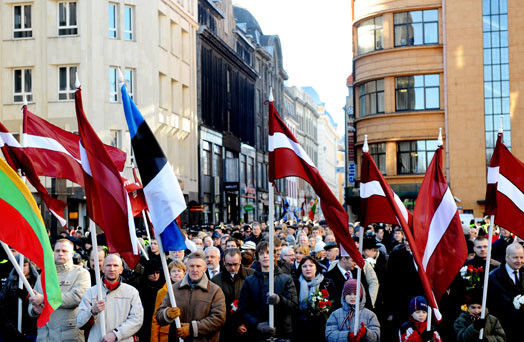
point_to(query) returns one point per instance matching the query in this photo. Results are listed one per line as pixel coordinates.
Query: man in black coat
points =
(230, 281)
(498, 248)
(505, 283)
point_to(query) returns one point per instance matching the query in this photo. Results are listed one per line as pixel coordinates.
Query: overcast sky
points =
(316, 44)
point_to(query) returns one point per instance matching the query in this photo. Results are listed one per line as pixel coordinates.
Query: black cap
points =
(369, 243)
(330, 245)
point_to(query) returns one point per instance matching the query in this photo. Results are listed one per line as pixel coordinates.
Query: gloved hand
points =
(173, 312)
(273, 299)
(479, 323)
(361, 332)
(183, 331)
(265, 329)
(427, 335)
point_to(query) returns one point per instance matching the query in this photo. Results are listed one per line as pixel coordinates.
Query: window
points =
(113, 20)
(116, 138)
(369, 35)
(217, 161)
(414, 156)
(372, 97)
(22, 22)
(113, 86)
(66, 82)
(206, 158)
(378, 152)
(67, 24)
(419, 92)
(22, 85)
(416, 28)
(129, 76)
(129, 23)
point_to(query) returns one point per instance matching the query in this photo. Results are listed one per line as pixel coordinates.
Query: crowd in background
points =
(221, 287)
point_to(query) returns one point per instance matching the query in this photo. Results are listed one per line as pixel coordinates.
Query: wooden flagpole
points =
(94, 243)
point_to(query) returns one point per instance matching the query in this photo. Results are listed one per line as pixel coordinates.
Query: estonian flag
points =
(161, 189)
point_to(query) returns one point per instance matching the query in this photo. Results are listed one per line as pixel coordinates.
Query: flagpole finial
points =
(77, 81)
(440, 137)
(120, 77)
(271, 98)
(501, 127)
(365, 147)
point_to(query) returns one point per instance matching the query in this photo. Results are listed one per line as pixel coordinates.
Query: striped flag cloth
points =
(107, 201)
(438, 230)
(370, 173)
(375, 207)
(23, 229)
(288, 159)
(55, 152)
(164, 197)
(17, 158)
(505, 189)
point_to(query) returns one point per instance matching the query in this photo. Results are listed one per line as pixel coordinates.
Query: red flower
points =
(235, 302)
(325, 293)
(321, 304)
(475, 270)
(481, 269)
(470, 267)
(329, 303)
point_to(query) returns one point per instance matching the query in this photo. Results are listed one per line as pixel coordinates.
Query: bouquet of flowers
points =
(319, 304)
(234, 306)
(473, 276)
(518, 301)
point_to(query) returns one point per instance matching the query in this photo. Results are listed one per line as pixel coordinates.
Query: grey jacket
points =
(123, 313)
(337, 330)
(74, 282)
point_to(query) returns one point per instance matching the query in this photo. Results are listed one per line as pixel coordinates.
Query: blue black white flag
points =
(161, 188)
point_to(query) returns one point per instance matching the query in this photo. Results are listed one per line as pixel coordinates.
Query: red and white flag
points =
(437, 229)
(288, 159)
(505, 189)
(107, 201)
(370, 174)
(17, 158)
(55, 152)
(136, 195)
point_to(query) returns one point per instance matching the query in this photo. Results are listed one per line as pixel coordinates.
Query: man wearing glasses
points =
(230, 281)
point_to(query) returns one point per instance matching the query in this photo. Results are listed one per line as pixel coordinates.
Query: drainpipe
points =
(445, 61)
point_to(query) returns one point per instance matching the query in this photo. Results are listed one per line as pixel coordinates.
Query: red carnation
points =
(321, 304)
(329, 303)
(470, 267)
(325, 293)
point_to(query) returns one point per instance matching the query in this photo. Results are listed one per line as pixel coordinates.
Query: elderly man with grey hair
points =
(212, 255)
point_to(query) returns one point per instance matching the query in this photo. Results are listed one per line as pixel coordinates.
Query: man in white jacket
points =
(121, 303)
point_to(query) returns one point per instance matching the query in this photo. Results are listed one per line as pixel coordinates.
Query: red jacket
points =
(411, 331)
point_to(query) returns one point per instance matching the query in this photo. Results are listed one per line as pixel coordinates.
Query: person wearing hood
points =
(308, 324)
(254, 299)
(9, 297)
(150, 283)
(467, 326)
(341, 324)
(415, 330)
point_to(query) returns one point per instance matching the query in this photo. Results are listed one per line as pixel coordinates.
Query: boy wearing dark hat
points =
(468, 324)
(415, 330)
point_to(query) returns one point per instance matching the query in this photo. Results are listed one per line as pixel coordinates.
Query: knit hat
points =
(474, 296)
(350, 286)
(418, 303)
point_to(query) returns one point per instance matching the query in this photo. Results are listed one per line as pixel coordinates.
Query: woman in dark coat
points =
(150, 283)
(308, 324)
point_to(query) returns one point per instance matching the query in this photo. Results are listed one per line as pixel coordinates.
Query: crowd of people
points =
(221, 289)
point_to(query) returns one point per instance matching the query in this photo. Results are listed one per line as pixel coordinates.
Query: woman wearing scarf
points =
(316, 298)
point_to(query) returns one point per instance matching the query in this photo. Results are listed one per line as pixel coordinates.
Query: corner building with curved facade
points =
(421, 65)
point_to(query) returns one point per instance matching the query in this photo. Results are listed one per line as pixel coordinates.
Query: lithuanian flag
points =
(23, 229)
(313, 209)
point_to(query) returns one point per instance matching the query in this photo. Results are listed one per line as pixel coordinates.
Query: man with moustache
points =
(120, 302)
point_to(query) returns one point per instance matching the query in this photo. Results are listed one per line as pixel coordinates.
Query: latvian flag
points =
(288, 159)
(437, 229)
(161, 188)
(505, 189)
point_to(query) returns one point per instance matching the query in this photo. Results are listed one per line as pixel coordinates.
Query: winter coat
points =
(253, 299)
(337, 327)
(203, 307)
(74, 282)
(9, 297)
(412, 331)
(159, 333)
(148, 292)
(501, 292)
(231, 288)
(123, 313)
(314, 328)
(498, 249)
(466, 332)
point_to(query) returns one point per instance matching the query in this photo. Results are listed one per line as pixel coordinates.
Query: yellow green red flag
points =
(23, 229)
